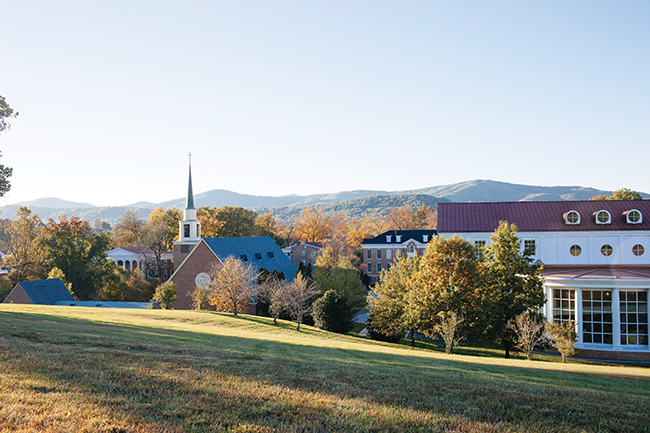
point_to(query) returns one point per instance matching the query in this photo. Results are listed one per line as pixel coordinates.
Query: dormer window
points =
(398, 238)
(425, 238)
(603, 217)
(388, 238)
(572, 217)
(633, 217)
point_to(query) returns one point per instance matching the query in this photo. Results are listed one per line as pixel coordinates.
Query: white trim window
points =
(572, 217)
(634, 216)
(603, 217)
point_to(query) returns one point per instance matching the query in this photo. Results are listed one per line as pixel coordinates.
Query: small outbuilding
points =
(41, 292)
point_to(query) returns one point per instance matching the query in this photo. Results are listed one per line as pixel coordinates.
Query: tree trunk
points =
(413, 337)
(298, 327)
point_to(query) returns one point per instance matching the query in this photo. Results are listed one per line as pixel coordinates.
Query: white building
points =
(596, 257)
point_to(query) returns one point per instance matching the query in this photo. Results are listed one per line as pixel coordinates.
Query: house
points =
(379, 252)
(41, 292)
(303, 252)
(144, 259)
(194, 256)
(596, 257)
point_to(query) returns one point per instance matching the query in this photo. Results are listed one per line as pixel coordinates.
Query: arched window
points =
(603, 217)
(572, 217)
(634, 217)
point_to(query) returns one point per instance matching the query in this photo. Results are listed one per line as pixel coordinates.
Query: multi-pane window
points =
(369, 254)
(638, 250)
(564, 305)
(575, 250)
(603, 217)
(634, 317)
(369, 268)
(379, 267)
(479, 247)
(388, 266)
(389, 254)
(572, 217)
(597, 316)
(379, 254)
(606, 250)
(529, 246)
(634, 217)
(411, 250)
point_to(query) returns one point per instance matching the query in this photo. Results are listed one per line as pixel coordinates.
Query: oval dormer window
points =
(572, 217)
(634, 217)
(603, 217)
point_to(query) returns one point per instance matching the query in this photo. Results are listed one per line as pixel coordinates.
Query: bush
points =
(166, 294)
(375, 334)
(333, 313)
(563, 336)
(5, 288)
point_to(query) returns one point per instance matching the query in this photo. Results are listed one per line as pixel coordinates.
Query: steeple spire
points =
(189, 204)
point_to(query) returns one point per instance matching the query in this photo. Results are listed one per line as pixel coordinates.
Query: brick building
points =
(379, 252)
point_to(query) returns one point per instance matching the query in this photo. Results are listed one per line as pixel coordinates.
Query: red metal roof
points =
(597, 272)
(534, 216)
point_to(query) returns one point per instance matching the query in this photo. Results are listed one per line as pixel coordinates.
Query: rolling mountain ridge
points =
(355, 204)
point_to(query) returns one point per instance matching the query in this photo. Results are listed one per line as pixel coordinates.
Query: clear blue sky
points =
(277, 97)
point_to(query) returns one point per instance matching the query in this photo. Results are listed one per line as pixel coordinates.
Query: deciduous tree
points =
(341, 277)
(6, 112)
(448, 328)
(166, 294)
(170, 218)
(23, 258)
(233, 284)
(298, 298)
(529, 327)
(512, 285)
(402, 218)
(69, 245)
(621, 194)
(313, 225)
(563, 337)
(128, 231)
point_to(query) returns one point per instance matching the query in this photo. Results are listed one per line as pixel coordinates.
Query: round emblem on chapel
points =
(202, 280)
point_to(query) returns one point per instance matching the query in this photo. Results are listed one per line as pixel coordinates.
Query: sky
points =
(305, 97)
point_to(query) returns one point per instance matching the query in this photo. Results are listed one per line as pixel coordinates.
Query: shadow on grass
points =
(199, 380)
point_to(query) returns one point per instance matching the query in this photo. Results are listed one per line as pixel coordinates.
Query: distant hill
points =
(376, 205)
(352, 203)
(491, 190)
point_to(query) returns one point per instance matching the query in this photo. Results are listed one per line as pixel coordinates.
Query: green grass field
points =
(75, 369)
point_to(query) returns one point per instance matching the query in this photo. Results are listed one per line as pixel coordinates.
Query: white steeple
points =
(190, 227)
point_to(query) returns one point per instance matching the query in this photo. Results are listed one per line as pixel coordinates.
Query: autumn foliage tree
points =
(23, 258)
(313, 225)
(233, 284)
(70, 245)
(621, 194)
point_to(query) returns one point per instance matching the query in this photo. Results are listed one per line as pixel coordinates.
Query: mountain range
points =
(355, 204)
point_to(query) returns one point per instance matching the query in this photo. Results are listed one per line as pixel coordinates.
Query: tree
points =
(154, 238)
(402, 218)
(341, 277)
(448, 328)
(233, 283)
(426, 218)
(128, 231)
(447, 282)
(99, 224)
(23, 259)
(621, 194)
(272, 291)
(170, 218)
(562, 336)
(6, 112)
(529, 327)
(333, 313)
(389, 309)
(313, 225)
(512, 285)
(298, 297)
(58, 273)
(166, 294)
(69, 245)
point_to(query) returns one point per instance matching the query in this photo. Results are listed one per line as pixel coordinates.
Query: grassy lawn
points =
(76, 369)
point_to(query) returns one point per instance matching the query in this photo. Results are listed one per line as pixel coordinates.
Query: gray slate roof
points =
(261, 252)
(406, 235)
(46, 292)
